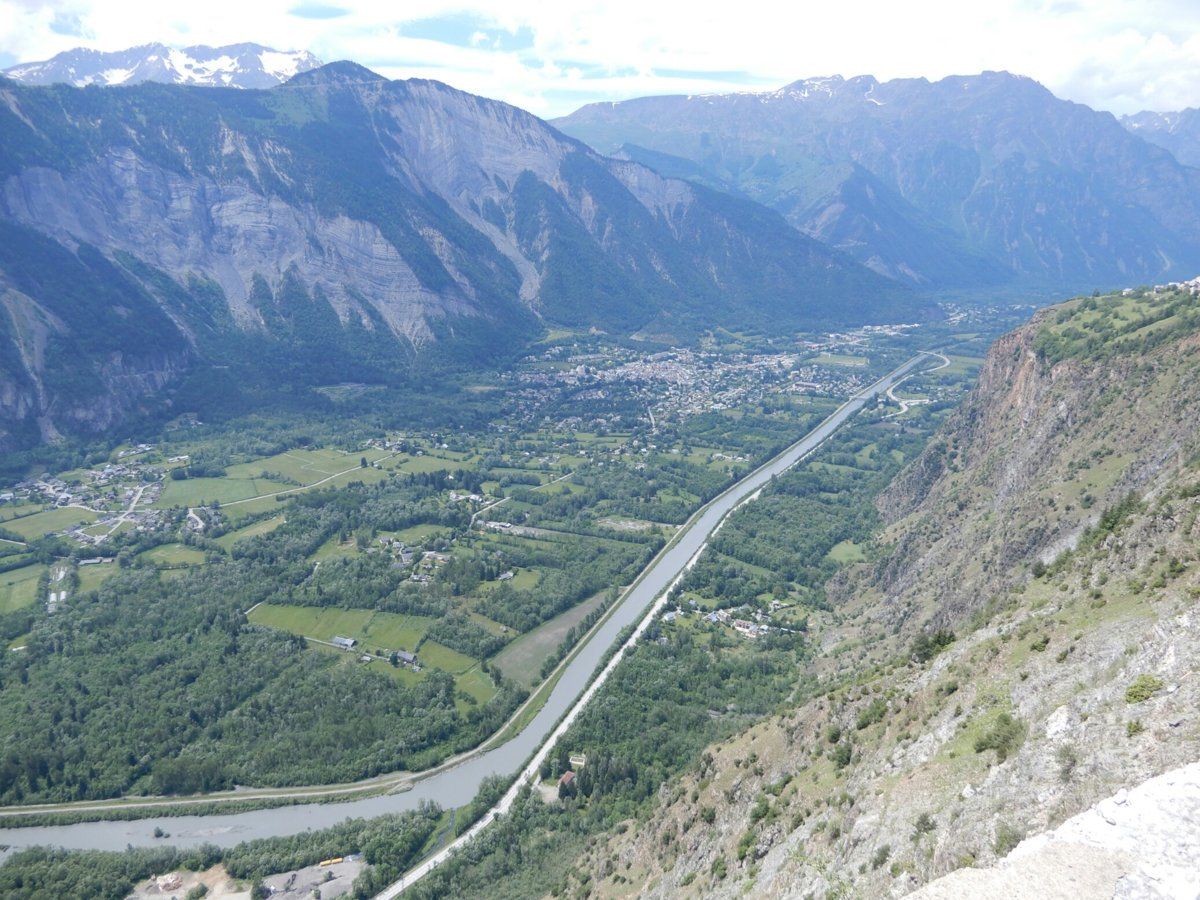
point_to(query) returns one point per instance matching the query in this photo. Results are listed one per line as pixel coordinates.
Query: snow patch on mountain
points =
(236, 65)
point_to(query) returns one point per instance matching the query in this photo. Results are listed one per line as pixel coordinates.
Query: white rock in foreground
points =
(1142, 843)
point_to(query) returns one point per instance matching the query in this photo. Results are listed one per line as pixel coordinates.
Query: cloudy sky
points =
(550, 56)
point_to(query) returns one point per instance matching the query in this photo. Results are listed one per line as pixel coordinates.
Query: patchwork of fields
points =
(378, 635)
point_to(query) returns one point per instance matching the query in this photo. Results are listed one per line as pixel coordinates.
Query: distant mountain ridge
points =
(1178, 132)
(234, 65)
(349, 228)
(964, 182)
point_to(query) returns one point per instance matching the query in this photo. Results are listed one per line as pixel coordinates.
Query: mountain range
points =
(343, 227)
(1178, 132)
(236, 65)
(963, 182)
(322, 224)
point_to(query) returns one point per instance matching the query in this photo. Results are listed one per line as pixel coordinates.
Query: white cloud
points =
(1121, 55)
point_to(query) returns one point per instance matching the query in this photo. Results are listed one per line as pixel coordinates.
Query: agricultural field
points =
(477, 685)
(266, 526)
(253, 482)
(418, 534)
(839, 359)
(305, 467)
(207, 491)
(431, 653)
(18, 587)
(235, 512)
(49, 521)
(523, 658)
(172, 556)
(91, 577)
(962, 366)
(428, 463)
(522, 580)
(335, 547)
(378, 631)
(13, 510)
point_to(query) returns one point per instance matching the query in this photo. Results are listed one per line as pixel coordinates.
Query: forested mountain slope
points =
(962, 182)
(1023, 644)
(342, 227)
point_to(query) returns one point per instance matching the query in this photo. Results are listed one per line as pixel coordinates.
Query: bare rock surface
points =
(1135, 845)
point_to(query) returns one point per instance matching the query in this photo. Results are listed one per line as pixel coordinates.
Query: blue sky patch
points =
(731, 76)
(317, 11)
(67, 23)
(469, 30)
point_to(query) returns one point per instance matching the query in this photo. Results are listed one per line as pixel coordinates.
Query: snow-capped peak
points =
(236, 65)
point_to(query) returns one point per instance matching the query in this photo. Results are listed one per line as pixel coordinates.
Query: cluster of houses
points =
(113, 490)
(47, 489)
(744, 627)
(431, 560)
(397, 657)
(404, 554)
(1191, 287)
(577, 761)
(135, 451)
(749, 624)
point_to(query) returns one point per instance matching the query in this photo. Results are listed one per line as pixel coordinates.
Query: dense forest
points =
(155, 684)
(161, 686)
(782, 543)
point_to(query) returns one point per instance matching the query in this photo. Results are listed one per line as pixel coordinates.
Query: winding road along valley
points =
(456, 785)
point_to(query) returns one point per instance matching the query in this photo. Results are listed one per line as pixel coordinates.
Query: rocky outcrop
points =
(1030, 460)
(1140, 843)
(228, 233)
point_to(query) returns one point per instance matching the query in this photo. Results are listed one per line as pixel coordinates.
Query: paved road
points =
(457, 785)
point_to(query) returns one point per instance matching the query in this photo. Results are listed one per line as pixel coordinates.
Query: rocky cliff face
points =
(1039, 450)
(351, 228)
(1071, 674)
(965, 181)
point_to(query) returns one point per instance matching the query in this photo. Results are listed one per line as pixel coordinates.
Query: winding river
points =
(456, 786)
